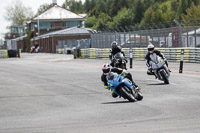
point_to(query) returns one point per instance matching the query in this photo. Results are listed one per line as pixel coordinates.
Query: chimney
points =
(54, 2)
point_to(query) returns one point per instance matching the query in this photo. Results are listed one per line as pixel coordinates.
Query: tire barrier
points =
(105, 53)
(64, 51)
(172, 54)
(3, 53)
(139, 53)
(92, 53)
(10, 53)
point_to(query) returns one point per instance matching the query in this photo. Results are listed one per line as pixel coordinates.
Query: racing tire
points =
(126, 94)
(139, 95)
(165, 79)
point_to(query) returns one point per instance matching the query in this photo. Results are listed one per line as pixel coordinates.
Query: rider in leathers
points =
(148, 59)
(107, 69)
(115, 49)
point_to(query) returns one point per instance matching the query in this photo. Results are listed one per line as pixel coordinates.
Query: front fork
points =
(157, 73)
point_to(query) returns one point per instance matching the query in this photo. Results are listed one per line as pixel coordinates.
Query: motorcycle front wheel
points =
(126, 93)
(139, 95)
(165, 79)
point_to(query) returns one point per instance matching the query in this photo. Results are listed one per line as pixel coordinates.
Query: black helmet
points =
(114, 44)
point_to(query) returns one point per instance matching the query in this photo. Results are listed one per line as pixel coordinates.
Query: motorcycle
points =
(119, 60)
(159, 68)
(123, 87)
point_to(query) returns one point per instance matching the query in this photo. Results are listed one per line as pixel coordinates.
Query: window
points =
(14, 30)
(73, 23)
(69, 24)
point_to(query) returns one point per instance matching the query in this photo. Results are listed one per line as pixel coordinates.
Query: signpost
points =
(181, 61)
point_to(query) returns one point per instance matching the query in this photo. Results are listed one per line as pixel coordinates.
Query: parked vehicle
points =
(123, 87)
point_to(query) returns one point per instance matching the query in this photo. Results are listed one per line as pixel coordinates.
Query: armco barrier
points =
(172, 54)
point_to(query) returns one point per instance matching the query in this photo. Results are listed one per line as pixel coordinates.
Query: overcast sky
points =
(34, 4)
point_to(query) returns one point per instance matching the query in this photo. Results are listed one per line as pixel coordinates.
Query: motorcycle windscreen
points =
(156, 61)
(110, 76)
(118, 55)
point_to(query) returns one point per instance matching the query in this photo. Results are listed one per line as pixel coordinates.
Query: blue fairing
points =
(115, 80)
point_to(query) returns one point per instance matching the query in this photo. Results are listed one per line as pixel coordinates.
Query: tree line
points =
(109, 14)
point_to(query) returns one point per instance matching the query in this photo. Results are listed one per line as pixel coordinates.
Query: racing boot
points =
(113, 94)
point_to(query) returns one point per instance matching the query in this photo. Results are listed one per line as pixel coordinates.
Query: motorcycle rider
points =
(151, 50)
(115, 49)
(107, 70)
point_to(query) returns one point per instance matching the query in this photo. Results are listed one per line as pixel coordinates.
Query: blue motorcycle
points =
(123, 87)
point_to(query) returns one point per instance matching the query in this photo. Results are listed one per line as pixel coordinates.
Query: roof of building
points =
(68, 31)
(83, 15)
(57, 12)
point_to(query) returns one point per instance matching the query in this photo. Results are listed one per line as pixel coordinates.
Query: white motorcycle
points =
(159, 68)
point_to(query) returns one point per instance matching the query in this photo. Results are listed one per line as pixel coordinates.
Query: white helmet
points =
(114, 44)
(150, 47)
(106, 69)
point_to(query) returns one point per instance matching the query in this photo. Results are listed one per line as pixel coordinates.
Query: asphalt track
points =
(54, 93)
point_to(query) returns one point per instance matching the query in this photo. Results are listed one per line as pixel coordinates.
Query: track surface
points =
(55, 93)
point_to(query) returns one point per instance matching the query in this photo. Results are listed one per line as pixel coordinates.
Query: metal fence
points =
(173, 37)
(69, 45)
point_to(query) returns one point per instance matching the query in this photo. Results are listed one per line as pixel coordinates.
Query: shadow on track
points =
(157, 84)
(117, 102)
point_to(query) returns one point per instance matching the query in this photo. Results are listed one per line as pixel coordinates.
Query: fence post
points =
(131, 57)
(181, 61)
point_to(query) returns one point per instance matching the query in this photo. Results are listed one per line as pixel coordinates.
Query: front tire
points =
(165, 79)
(126, 93)
(139, 95)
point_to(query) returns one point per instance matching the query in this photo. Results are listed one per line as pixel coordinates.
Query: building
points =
(54, 28)
(53, 19)
(15, 32)
(63, 39)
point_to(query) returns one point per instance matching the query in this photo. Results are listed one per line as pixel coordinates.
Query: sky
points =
(34, 4)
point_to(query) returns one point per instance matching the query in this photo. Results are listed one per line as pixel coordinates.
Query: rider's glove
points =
(106, 87)
(123, 74)
(165, 61)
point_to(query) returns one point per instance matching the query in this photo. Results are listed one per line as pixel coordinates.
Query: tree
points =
(18, 14)
(138, 9)
(192, 13)
(159, 13)
(87, 5)
(43, 8)
(91, 22)
(147, 16)
(73, 6)
(99, 22)
(123, 18)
